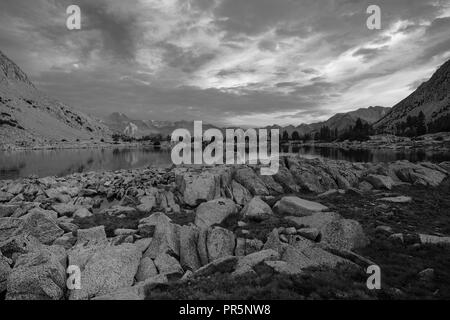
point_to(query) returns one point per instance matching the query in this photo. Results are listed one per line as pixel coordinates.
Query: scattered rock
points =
(257, 210)
(82, 213)
(214, 212)
(223, 265)
(41, 226)
(6, 210)
(38, 275)
(91, 237)
(309, 233)
(251, 181)
(168, 266)
(64, 209)
(430, 239)
(220, 243)
(334, 230)
(295, 206)
(240, 195)
(165, 238)
(247, 263)
(400, 199)
(107, 270)
(5, 196)
(380, 182)
(189, 258)
(147, 269)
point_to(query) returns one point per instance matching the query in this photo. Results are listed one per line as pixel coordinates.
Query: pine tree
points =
(421, 125)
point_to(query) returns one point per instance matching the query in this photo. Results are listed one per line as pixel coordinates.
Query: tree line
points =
(361, 131)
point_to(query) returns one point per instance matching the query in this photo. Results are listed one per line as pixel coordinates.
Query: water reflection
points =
(367, 155)
(63, 162)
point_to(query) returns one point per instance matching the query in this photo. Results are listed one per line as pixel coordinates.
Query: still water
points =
(62, 162)
(66, 161)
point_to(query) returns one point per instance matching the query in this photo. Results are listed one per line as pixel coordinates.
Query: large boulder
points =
(19, 244)
(5, 270)
(197, 187)
(272, 185)
(147, 203)
(6, 210)
(247, 246)
(168, 266)
(15, 188)
(430, 239)
(240, 194)
(286, 180)
(380, 182)
(251, 181)
(65, 209)
(307, 177)
(147, 269)
(246, 264)
(418, 174)
(220, 242)
(82, 213)
(42, 226)
(189, 257)
(223, 265)
(5, 196)
(108, 269)
(38, 275)
(214, 212)
(273, 242)
(334, 230)
(92, 237)
(136, 292)
(165, 238)
(294, 206)
(311, 256)
(257, 210)
(10, 227)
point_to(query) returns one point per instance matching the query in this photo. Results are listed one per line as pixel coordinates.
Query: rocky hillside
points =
(432, 98)
(340, 121)
(28, 117)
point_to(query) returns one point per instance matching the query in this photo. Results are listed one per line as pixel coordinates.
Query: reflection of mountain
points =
(28, 116)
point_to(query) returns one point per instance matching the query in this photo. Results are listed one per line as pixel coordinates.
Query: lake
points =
(66, 161)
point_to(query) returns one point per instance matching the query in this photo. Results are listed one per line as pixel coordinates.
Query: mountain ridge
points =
(29, 117)
(431, 97)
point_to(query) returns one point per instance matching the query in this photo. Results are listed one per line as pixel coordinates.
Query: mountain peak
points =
(9, 71)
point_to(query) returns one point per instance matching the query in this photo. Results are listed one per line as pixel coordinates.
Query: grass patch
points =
(343, 282)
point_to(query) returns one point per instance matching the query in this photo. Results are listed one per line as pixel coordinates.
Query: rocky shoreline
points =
(82, 145)
(130, 231)
(438, 142)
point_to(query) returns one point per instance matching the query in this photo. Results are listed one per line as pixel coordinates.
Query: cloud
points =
(248, 62)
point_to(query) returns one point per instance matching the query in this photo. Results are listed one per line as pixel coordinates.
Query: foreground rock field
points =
(133, 232)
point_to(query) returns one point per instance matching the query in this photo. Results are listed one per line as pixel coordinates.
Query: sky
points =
(227, 62)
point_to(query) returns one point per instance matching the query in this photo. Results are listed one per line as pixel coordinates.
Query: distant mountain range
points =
(432, 98)
(340, 121)
(121, 123)
(29, 117)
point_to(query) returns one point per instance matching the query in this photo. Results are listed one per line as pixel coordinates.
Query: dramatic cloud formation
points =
(227, 62)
